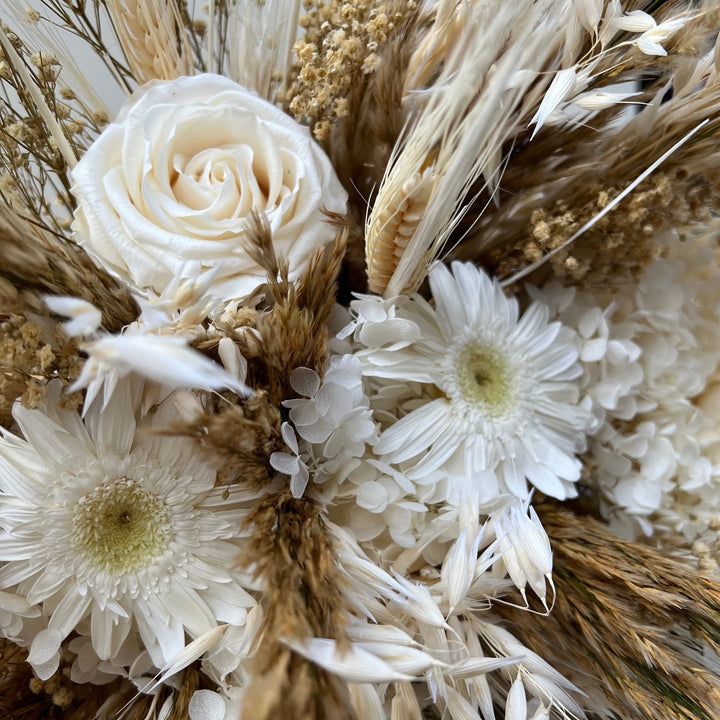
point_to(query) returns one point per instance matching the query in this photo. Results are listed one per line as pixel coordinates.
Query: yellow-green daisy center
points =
(485, 380)
(119, 527)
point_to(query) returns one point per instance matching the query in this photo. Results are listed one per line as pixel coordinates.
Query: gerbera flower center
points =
(119, 527)
(485, 380)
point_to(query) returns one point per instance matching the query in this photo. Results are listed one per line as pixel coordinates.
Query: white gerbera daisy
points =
(106, 521)
(503, 397)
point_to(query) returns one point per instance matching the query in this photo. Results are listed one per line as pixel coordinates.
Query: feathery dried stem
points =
(37, 263)
(634, 629)
(293, 331)
(49, 118)
(152, 37)
(291, 552)
(488, 84)
(263, 32)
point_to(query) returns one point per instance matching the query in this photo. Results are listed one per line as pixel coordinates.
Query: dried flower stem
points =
(47, 115)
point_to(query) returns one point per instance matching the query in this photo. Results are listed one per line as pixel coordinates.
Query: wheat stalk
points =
(152, 38)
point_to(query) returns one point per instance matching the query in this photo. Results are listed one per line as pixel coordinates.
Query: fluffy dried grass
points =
(34, 263)
(637, 631)
(291, 553)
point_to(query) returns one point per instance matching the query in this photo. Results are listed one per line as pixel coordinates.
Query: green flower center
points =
(120, 527)
(485, 380)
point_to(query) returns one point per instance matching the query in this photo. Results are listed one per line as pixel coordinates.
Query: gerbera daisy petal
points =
(423, 426)
(504, 381)
(124, 537)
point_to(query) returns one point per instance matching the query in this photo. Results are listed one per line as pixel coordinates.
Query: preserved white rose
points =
(174, 179)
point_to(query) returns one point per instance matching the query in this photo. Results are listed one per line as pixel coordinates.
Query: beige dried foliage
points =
(629, 624)
(24, 697)
(623, 242)
(572, 169)
(293, 330)
(36, 263)
(237, 439)
(291, 554)
(490, 76)
(257, 37)
(153, 38)
(438, 31)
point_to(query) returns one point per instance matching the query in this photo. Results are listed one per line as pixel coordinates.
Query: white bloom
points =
(107, 522)
(505, 399)
(175, 177)
(649, 350)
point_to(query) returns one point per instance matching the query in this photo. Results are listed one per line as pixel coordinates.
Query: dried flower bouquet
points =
(360, 359)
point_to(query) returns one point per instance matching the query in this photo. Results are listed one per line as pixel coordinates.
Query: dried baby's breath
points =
(339, 47)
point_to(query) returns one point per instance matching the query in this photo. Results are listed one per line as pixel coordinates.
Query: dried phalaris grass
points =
(291, 553)
(391, 230)
(152, 38)
(37, 263)
(629, 624)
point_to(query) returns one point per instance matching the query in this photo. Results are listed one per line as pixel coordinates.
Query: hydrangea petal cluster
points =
(649, 351)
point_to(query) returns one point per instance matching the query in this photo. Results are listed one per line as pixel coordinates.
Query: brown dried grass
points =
(637, 631)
